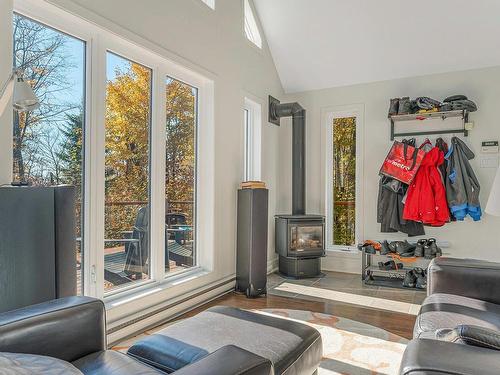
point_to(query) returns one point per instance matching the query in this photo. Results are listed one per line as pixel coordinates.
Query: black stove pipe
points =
(276, 111)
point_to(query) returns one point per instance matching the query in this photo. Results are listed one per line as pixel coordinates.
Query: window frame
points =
(252, 132)
(329, 115)
(98, 41)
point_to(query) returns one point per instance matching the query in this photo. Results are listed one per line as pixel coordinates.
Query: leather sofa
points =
(457, 330)
(71, 335)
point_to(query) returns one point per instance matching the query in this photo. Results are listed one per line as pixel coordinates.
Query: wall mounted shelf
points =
(426, 116)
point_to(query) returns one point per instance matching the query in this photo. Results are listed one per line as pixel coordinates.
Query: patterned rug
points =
(349, 347)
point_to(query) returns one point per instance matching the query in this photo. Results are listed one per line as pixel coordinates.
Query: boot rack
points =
(391, 278)
(464, 114)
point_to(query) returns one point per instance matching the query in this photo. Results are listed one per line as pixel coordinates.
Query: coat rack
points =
(464, 114)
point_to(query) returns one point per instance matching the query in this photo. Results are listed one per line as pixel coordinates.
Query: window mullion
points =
(158, 175)
(96, 169)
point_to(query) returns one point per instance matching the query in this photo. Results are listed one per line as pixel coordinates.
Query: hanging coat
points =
(390, 209)
(462, 186)
(426, 199)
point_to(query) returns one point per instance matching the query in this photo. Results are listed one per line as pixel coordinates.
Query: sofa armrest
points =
(66, 328)
(434, 357)
(229, 360)
(465, 277)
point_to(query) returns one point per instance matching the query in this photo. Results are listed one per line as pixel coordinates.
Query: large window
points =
(127, 204)
(343, 163)
(133, 131)
(180, 174)
(48, 144)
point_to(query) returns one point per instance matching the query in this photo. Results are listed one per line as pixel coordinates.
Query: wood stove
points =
(300, 242)
(300, 238)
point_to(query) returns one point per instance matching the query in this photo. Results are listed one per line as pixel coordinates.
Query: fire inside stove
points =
(306, 237)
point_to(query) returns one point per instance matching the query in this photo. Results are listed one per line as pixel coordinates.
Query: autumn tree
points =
(180, 145)
(127, 145)
(344, 179)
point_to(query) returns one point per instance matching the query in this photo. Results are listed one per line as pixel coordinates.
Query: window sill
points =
(336, 250)
(151, 287)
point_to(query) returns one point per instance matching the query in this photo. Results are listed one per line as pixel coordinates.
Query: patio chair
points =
(132, 263)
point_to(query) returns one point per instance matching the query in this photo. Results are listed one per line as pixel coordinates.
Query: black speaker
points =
(251, 261)
(37, 245)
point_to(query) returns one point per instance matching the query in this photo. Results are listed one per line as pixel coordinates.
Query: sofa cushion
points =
(28, 364)
(110, 362)
(441, 311)
(292, 347)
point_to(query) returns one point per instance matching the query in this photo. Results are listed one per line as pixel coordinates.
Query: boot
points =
(419, 249)
(393, 107)
(435, 251)
(410, 279)
(404, 106)
(385, 248)
(421, 278)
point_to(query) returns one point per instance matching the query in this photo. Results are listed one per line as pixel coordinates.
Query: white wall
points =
(5, 69)
(468, 239)
(210, 42)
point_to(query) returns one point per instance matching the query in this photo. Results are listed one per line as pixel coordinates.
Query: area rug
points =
(350, 347)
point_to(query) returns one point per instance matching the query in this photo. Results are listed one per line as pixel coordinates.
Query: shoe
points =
(390, 265)
(404, 106)
(428, 252)
(393, 107)
(402, 247)
(369, 249)
(419, 249)
(410, 279)
(384, 250)
(435, 250)
(421, 278)
(369, 279)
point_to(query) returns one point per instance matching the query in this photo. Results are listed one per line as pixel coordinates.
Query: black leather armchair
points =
(74, 329)
(457, 330)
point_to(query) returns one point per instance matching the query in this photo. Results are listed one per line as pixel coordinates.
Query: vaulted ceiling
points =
(326, 43)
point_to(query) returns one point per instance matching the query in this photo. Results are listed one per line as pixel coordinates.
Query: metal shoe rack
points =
(430, 115)
(390, 278)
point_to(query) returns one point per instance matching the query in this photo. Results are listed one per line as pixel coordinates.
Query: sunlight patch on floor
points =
(355, 299)
(350, 347)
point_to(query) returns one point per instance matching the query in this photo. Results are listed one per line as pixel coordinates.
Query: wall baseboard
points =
(272, 265)
(168, 311)
(342, 261)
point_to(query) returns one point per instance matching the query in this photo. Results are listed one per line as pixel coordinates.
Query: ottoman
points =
(293, 348)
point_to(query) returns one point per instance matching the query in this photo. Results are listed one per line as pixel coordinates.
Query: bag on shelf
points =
(402, 162)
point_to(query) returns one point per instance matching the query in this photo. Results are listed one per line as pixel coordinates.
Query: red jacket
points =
(426, 198)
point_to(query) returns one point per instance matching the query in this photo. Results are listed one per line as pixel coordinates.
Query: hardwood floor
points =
(395, 322)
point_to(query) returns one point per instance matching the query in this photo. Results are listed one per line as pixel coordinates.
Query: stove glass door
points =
(306, 238)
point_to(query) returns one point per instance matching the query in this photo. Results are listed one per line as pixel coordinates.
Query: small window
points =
(251, 29)
(252, 128)
(210, 3)
(342, 230)
(344, 181)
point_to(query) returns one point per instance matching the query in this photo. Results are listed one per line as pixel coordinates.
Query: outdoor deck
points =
(115, 258)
